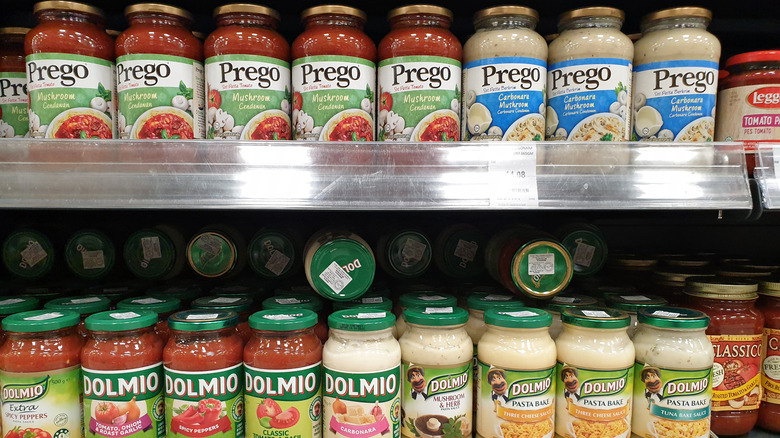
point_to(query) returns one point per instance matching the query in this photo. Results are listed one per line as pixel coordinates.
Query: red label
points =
(770, 371)
(736, 374)
(767, 97)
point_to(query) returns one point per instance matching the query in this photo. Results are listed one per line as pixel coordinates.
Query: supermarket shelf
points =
(766, 173)
(294, 175)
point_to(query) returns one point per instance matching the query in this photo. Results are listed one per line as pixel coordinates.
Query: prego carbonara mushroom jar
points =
(675, 76)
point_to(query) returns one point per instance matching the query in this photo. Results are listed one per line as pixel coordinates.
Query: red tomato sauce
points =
(159, 33)
(335, 33)
(166, 126)
(281, 349)
(203, 350)
(353, 128)
(77, 33)
(769, 412)
(441, 129)
(246, 33)
(272, 128)
(121, 350)
(83, 126)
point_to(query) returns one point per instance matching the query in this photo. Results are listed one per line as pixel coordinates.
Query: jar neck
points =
(12, 42)
(208, 335)
(25, 336)
(420, 20)
(347, 335)
(70, 16)
(334, 20)
(112, 336)
(268, 334)
(542, 332)
(676, 23)
(506, 22)
(753, 66)
(713, 303)
(157, 19)
(246, 19)
(597, 332)
(673, 332)
(592, 22)
(477, 314)
(436, 329)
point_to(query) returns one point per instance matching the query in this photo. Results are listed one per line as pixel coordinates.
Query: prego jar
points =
(559, 303)
(339, 264)
(14, 118)
(769, 304)
(163, 307)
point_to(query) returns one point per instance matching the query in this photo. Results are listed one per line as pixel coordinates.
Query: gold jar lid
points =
(594, 11)
(247, 8)
(676, 276)
(684, 12)
(499, 11)
(14, 30)
(632, 261)
(685, 261)
(158, 8)
(769, 286)
(67, 6)
(333, 9)
(420, 9)
(721, 288)
(741, 271)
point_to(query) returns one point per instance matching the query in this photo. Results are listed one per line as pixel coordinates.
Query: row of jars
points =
(503, 84)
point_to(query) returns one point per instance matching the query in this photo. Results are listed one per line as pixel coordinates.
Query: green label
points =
(160, 97)
(362, 405)
(593, 400)
(333, 98)
(671, 402)
(515, 401)
(124, 403)
(440, 397)
(247, 98)
(14, 119)
(284, 403)
(48, 400)
(71, 96)
(419, 99)
(207, 403)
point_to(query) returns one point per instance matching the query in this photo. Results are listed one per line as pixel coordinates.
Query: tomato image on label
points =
(30, 432)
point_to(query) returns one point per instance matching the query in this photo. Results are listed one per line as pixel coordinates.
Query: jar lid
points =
(588, 250)
(183, 293)
(14, 30)
(758, 56)
(365, 302)
(596, 317)
(28, 253)
(149, 253)
(721, 288)
(211, 254)
(673, 317)
(152, 304)
(633, 303)
(409, 253)
(281, 320)
(742, 271)
(342, 284)
(684, 12)
(361, 320)
(271, 253)
(769, 286)
(436, 316)
(11, 305)
(67, 6)
(201, 320)
(595, 11)
(632, 261)
(559, 303)
(686, 261)
(426, 299)
(83, 305)
(420, 9)
(40, 321)
(677, 275)
(521, 317)
(90, 254)
(301, 301)
(158, 8)
(333, 9)
(117, 321)
(247, 8)
(498, 11)
(542, 268)
(236, 303)
(236, 290)
(485, 301)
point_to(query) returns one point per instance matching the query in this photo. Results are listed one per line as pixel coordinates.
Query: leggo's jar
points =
(595, 374)
(735, 330)
(516, 379)
(159, 75)
(361, 353)
(123, 351)
(459, 251)
(419, 76)
(248, 93)
(405, 253)
(339, 264)
(675, 44)
(283, 348)
(216, 252)
(504, 76)
(83, 305)
(155, 253)
(240, 305)
(632, 304)
(423, 299)
(292, 302)
(90, 254)
(28, 253)
(769, 304)
(14, 118)
(70, 60)
(559, 303)
(40, 373)
(333, 76)
(204, 348)
(274, 253)
(163, 307)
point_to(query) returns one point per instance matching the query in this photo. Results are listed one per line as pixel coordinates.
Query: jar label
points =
(284, 402)
(121, 403)
(770, 370)
(333, 98)
(362, 405)
(736, 375)
(160, 97)
(504, 99)
(71, 96)
(248, 98)
(675, 101)
(14, 119)
(205, 403)
(48, 400)
(748, 113)
(593, 402)
(518, 403)
(671, 402)
(588, 100)
(437, 399)
(419, 99)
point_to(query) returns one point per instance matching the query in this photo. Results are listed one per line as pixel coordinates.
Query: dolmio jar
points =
(14, 120)
(333, 76)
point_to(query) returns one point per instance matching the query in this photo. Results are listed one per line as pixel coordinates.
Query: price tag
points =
(466, 250)
(151, 248)
(93, 259)
(512, 175)
(583, 254)
(413, 250)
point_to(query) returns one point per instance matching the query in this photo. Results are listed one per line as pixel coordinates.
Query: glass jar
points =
(339, 264)
(459, 251)
(216, 251)
(420, 299)
(769, 305)
(14, 119)
(90, 254)
(404, 253)
(559, 303)
(735, 330)
(16, 304)
(274, 253)
(155, 253)
(631, 269)
(283, 348)
(672, 374)
(122, 349)
(504, 61)
(240, 305)
(479, 302)
(83, 305)
(632, 304)
(587, 246)
(669, 282)
(163, 307)
(182, 292)
(297, 301)
(27, 253)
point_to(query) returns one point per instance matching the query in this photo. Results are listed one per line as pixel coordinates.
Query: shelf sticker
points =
(512, 175)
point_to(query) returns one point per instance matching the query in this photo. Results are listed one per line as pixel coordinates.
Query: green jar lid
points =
(11, 305)
(293, 301)
(236, 303)
(342, 269)
(183, 293)
(149, 254)
(365, 302)
(521, 317)
(559, 303)
(152, 304)
(588, 250)
(28, 254)
(542, 268)
(119, 321)
(426, 299)
(254, 291)
(436, 316)
(596, 317)
(673, 317)
(115, 292)
(272, 254)
(408, 254)
(361, 320)
(462, 254)
(211, 254)
(202, 320)
(83, 305)
(484, 301)
(35, 321)
(281, 320)
(90, 254)
(634, 302)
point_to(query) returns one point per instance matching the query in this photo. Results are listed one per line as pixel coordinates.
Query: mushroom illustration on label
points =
(648, 121)
(479, 119)
(552, 122)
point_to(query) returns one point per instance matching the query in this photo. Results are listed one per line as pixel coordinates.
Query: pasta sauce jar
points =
(70, 72)
(333, 76)
(247, 75)
(83, 305)
(339, 264)
(241, 305)
(121, 366)
(159, 75)
(163, 307)
(769, 304)
(419, 76)
(294, 302)
(14, 119)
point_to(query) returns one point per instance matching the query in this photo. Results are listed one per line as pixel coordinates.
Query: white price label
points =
(595, 313)
(210, 244)
(564, 300)
(541, 264)
(287, 301)
(93, 260)
(44, 316)
(520, 314)
(666, 314)
(371, 300)
(225, 300)
(124, 315)
(512, 175)
(635, 298)
(85, 300)
(466, 250)
(430, 310)
(335, 277)
(413, 250)
(372, 315)
(202, 316)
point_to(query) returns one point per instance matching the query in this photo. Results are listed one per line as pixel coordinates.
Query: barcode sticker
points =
(201, 316)
(277, 262)
(225, 300)
(635, 298)
(287, 301)
(44, 316)
(520, 314)
(413, 250)
(147, 301)
(438, 310)
(210, 244)
(565, 300)
(431, 297)
(666, 314)
(583, 254)
(282, 317)
(371, 300)
(85, 300)
(371, 315)
(151, 248)
(10, 301)
(335, 277)
(33, 254)
(595, 313)
(496, 297)
(466, 250)
(93, 259)
(541, 264)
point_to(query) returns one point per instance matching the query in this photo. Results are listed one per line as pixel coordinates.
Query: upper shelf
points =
(379, 176)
